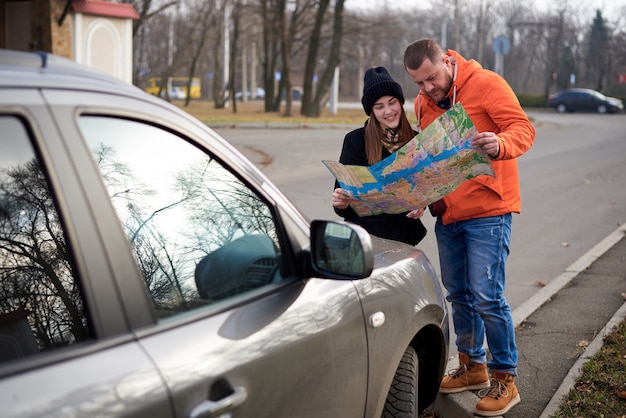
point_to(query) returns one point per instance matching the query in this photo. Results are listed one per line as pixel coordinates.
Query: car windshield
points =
(598, 95)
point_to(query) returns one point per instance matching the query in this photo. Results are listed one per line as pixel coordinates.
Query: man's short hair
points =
(420, 50)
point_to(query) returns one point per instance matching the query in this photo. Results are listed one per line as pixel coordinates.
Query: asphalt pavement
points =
(553, 329)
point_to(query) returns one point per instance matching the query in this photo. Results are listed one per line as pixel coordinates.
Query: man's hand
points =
(487, 142)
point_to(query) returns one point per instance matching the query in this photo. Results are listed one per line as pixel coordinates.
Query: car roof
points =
(580, 90)
(44, 70)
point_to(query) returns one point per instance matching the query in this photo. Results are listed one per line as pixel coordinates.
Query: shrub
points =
(532, 100)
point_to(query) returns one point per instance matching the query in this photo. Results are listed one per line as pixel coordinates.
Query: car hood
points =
(615, 101)
(388, 251)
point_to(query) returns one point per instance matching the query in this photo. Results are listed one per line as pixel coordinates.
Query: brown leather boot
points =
(468, 376)
(502, 396)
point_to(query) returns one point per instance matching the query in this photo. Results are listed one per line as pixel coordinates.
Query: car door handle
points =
(220, 407)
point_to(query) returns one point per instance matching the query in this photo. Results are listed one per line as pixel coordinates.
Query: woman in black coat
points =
(386, 130)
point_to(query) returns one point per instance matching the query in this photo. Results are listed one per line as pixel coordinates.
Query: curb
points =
(462, 404)
(281, 125)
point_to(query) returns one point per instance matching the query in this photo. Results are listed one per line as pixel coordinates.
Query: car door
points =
(60, 355)
(588, 101)
(238, 330)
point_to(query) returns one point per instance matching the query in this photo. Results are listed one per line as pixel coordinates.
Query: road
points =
(572, 183)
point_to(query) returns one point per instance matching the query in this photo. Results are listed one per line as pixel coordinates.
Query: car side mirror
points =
(341, 250)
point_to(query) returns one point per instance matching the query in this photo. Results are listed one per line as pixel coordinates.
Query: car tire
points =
(402, 398)
(561, 108)
(602, 109)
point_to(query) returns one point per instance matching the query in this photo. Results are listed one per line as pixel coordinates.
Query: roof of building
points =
(105, 8)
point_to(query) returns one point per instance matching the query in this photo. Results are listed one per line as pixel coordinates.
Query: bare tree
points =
(234, 38)
(146, 12)
(270, 13)
(219, 26)
(203, 17)
(312, 104)
(301, 42)
(285, 80)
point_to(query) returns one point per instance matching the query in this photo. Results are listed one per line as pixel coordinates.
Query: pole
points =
(334, 92)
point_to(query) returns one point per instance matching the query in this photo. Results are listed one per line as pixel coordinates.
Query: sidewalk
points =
(582, 304)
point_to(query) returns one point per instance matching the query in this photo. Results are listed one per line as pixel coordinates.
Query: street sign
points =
(501, 45)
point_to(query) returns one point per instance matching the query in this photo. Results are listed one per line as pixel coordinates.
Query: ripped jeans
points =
(473, 257)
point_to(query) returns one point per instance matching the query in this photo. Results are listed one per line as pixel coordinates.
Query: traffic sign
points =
(501, 45)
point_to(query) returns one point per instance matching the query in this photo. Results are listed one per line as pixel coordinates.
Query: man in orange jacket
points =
(473, 225)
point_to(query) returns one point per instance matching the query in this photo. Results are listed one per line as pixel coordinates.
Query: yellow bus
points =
(176, 86)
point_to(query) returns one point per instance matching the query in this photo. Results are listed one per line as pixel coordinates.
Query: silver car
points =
(148, 269)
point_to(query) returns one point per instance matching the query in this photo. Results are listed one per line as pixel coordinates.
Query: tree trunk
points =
(204, 22)
(313, 108)
(285, 79)
(236, 15)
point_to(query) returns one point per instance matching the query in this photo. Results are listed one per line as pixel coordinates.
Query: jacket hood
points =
(465, 70)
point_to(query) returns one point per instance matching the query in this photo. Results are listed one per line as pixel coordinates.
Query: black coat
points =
(386, 225)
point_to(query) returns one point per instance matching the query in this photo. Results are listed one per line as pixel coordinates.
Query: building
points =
(97, 33)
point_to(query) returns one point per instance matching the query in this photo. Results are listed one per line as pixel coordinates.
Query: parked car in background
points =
(259, 94)
(149, 270)
(584, 100)
(296, 93)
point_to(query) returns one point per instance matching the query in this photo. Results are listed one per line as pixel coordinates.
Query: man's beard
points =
(444, 91)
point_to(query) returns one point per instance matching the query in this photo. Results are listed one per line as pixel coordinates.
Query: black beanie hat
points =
(378, 83)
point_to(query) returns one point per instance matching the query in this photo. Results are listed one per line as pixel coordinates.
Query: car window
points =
(198, 233)
(41, 307)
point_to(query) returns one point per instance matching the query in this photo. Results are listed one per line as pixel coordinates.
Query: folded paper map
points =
(430, 166)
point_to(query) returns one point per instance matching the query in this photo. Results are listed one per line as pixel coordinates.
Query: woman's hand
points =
(416, 214)
(341, 198)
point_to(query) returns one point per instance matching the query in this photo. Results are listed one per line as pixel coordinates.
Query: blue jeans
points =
(473, 257)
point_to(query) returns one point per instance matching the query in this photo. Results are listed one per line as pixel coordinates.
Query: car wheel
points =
(401, 400)
(602, 109)
(561, 108)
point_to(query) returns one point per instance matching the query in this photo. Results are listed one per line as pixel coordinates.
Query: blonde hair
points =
(374, 132)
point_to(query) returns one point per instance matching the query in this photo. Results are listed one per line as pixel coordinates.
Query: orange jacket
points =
(493, 107)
